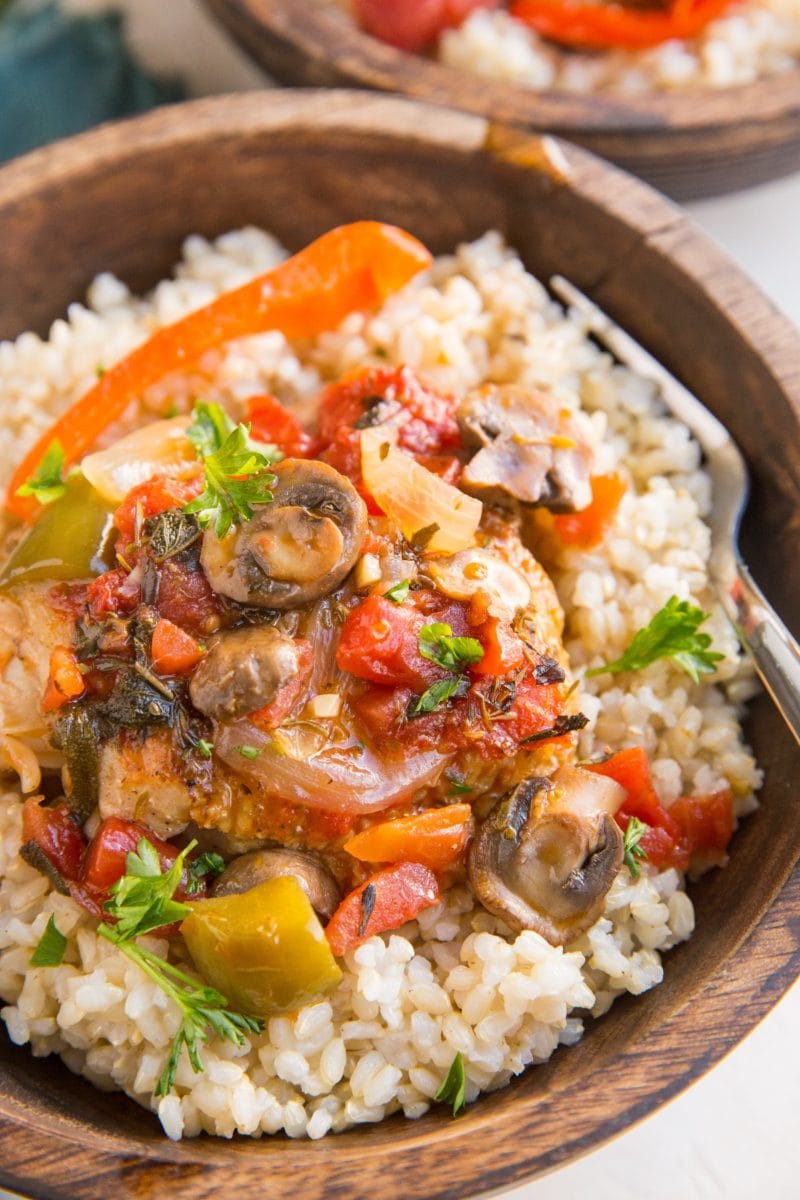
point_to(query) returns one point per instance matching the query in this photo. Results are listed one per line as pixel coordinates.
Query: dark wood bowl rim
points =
(327, 36)
(766, 959)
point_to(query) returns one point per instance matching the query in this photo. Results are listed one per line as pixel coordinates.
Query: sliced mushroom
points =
(547, 854)
(313, 876)
(295, 549)
(528, 450)
(244, 670)
(461, 576)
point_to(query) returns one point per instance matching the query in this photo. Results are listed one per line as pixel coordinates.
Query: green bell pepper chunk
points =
(264, 949)
(72, 538)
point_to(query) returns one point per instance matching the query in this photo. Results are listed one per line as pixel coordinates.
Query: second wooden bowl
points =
(699, 142)
(122, 199)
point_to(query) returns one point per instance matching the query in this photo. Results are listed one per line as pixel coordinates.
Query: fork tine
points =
(769, 643)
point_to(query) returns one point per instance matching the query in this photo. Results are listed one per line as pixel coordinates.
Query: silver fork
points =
(774, 651)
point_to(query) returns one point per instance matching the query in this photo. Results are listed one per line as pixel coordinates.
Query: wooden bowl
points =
(698, 142)
(122, 198)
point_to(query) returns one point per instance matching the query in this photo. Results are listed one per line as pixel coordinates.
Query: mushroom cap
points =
(539, 864)
(244, 670)
(249, 870)
(295, 549)
(528, 450)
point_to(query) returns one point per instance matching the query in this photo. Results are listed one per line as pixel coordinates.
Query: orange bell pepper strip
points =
(437, 838)
(385, 901)
(589, 527)
(351, 268)
(65, 681)
(174, 652)
(608, 26)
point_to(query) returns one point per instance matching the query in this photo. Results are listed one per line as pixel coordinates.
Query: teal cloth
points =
(61, 74)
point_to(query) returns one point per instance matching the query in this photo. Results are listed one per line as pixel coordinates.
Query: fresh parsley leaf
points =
(398, 592)
(672, 633)
(208, 863)
(237, 474)
(51, 947)
(438, 693)
(634, 853)
(204, 749)
(454, 1085)
(142, 900)
(250, 752)
(210, 428)
(437, 643)
(46, 484)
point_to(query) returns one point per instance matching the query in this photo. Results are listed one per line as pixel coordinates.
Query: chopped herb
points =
(51, 947)
(76, 736)
(634, 853)
(547, 671)
(420, 539)
(248, 751)
(100, 370)
(561, 725)
(141, 901)
(46, 484)
(454, 1085)
(204, 748)
(367, 905)
(209, 863)
(457, 785)
(33, 854)
(398, 592)
(672, 633)
(171, 533)
(438, 693)
(237, 475)
(437, 644)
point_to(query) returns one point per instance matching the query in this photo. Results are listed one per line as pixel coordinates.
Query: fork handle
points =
(774, 651)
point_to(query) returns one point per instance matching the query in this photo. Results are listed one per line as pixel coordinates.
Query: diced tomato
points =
(437, 838)
(424, 418)
(57, 834)
(706, 822)
(589, 527)
(414, 24)
(106, 856)
(185, 597)
(271, 716)
(174, 652)
(65, 681)
(535, 710)
(386, 901)
(382, 710)
(270, 422)
(503, 650)
(380, 643)
(154, 496)
(113, 592)
(664, 842)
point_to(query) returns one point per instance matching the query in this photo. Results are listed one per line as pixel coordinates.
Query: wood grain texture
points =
(122, 198)
(698, 142)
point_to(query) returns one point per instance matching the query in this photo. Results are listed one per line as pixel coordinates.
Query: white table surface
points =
(734, 1134)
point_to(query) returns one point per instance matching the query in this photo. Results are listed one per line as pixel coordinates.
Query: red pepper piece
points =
(386, 901)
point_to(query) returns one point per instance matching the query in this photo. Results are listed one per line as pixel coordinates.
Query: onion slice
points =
(338, 778)
(416, 499)
(161, 447)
